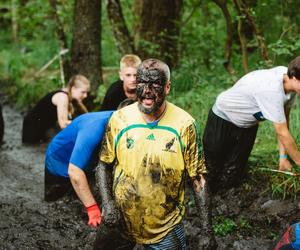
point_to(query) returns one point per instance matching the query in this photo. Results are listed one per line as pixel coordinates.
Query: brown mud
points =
(28, 222)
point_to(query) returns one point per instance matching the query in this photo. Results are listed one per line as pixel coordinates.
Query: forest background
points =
(208, 44)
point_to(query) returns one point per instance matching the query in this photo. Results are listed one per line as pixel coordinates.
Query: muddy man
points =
(149, 148)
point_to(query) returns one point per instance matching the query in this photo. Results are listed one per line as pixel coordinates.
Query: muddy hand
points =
(203, 204)
(94, 215)
(111, 214)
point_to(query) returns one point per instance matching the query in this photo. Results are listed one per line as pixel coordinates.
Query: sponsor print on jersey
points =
(259, 116)
(129, 143)
(168, 146)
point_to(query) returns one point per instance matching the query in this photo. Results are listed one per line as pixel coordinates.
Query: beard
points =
(158, 98)
(148, 111)
(153, 109)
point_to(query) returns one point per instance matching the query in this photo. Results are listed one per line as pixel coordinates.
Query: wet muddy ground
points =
(27, 222)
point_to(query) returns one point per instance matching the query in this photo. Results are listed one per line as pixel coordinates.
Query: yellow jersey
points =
(151, 162)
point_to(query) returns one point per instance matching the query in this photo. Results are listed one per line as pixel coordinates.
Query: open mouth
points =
(148, 101)
(132, 86)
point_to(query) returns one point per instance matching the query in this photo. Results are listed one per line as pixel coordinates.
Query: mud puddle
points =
(27, 222)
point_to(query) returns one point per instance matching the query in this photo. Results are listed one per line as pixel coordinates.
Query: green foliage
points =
(285, 185)
(110, 54)
(244, 225)
(223, 226)
(19, 66)
(285, 49)
(196, 82)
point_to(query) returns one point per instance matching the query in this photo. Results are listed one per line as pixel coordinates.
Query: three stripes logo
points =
(151, 137)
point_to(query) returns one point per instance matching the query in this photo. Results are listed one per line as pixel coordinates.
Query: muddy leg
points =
(214, 146)
(235, 164)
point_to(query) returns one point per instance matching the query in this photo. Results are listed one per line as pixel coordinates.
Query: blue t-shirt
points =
(77, 143)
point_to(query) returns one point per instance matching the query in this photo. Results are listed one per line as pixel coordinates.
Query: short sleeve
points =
(107, 152)
(84, 148)
(88, 139)
(290, 100)
(193, 157)
(271, 104)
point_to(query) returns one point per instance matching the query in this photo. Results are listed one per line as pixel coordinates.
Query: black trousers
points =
(226, 151)
(56, 186)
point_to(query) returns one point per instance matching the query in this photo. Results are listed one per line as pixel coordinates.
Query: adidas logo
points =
(151, 137)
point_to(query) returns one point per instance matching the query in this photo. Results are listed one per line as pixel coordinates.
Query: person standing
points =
(151, 147)
(54, 110)
(233, 121)
(125, 87)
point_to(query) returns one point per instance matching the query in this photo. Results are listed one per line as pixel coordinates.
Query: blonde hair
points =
(130, 60)
(76, 81)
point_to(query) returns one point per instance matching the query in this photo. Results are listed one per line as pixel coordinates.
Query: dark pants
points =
(56, 186)
(226, 150)
(112, 239)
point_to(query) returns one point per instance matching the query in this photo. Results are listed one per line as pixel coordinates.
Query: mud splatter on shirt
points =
(151, 163)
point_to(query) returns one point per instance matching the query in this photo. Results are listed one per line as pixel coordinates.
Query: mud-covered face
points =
(150, 90)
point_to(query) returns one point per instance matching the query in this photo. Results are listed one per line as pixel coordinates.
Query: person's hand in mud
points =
(203, 204)
(94, 215)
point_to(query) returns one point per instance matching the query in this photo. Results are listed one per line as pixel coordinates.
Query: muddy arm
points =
(104, 181)
(203, 204)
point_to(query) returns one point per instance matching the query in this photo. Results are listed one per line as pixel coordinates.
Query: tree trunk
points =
(259, 37)
(86, 41)
(14, 20)
(122, 37)
(243, 40)
(157, 29)
(65, 64)
(229, 39)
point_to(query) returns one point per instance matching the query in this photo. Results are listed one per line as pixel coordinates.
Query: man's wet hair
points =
(126, 102)
(153, 71)
(294, 68)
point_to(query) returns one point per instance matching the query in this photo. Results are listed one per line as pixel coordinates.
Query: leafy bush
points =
(223, 226)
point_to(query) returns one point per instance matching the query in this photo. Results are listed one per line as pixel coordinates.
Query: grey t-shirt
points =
(257, 96)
